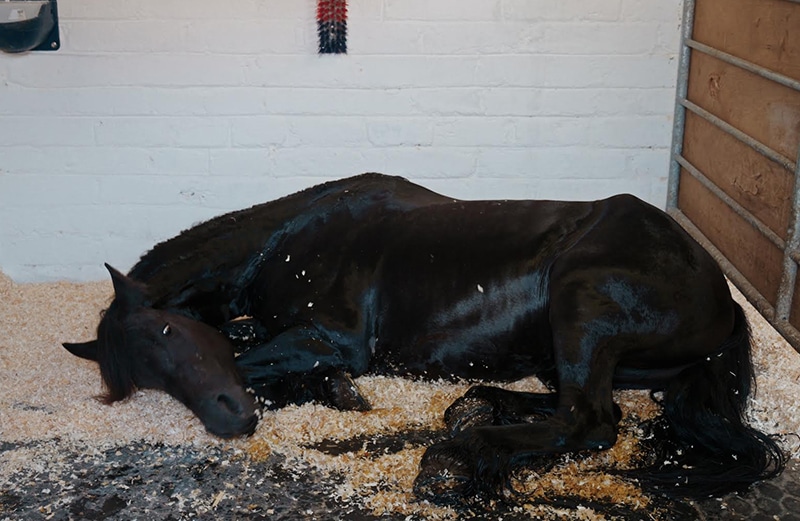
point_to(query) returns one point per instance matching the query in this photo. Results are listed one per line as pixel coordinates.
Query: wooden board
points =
(749, 251)
(757, 183)
(765, 110)
(764, 32)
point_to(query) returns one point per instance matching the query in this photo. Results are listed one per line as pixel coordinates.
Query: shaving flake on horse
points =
(398, 280)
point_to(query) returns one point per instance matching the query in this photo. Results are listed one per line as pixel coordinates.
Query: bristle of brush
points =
(332, 26)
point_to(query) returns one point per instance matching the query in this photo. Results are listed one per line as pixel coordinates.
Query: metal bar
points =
(746, 65)
(788, 331)
(740, 210)
(762, 305)
(783, 306)
(679, 118)
(758, 146)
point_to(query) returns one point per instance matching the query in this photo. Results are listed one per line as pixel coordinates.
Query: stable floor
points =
(64, 455)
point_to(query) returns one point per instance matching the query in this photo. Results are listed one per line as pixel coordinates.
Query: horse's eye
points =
(167, 330)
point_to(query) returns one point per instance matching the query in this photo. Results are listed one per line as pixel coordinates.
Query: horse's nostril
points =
(229, 403)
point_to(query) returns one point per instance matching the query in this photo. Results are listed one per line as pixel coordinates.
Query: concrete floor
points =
(154, 481)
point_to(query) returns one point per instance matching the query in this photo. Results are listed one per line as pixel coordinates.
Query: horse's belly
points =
(495, 330)
(466, 353)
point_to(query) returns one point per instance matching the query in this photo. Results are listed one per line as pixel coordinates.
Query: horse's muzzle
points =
(244, 427)
(228, 415)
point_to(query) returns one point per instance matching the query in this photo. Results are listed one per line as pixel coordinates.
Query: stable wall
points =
(156, 114)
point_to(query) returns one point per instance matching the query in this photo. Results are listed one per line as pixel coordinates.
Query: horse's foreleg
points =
(298, 366)
(479, 460)
(331, 387)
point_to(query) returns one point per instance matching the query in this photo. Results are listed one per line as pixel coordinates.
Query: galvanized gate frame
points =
(777, 315)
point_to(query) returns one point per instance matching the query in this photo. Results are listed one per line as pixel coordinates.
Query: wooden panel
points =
(754, 256)
(764, 32)
(767, 34)
(765, 110)
(759, 184)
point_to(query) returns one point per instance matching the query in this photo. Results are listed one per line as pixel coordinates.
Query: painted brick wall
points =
(156, 114)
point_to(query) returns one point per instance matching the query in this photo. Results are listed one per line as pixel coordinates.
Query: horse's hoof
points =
(343, 393)
(443, 477)
(468, 412)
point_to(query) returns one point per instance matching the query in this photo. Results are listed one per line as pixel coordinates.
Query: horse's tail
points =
(705, 446)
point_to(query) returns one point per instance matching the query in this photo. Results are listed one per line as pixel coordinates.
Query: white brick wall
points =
(158, 113)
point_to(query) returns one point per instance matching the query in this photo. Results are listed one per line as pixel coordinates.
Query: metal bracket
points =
(29, 25)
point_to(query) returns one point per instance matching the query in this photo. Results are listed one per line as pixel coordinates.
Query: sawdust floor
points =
(64, 455)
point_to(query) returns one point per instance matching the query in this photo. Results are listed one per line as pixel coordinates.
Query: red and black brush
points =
(332, 26)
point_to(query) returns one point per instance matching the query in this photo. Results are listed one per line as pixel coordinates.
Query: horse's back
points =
(435, 285)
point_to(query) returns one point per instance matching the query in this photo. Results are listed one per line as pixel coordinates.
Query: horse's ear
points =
(126, 290)
(87, 350)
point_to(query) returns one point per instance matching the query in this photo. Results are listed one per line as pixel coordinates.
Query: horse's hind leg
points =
(486, 405)
(480, 459)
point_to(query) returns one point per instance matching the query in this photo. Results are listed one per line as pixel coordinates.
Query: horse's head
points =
(139, 346)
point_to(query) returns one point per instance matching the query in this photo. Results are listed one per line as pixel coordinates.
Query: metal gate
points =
(736, 147)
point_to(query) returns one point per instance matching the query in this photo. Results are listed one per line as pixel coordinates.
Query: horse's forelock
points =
(113, 358)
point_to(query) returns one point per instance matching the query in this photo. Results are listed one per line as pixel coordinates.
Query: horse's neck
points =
(210, 265)
(203, 270)
(193, 290)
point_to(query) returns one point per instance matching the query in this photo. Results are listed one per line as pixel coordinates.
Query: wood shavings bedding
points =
(47, 394)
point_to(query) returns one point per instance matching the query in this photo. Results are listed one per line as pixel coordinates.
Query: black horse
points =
(374, 274)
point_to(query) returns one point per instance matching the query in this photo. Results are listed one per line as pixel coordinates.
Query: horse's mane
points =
(225, 243)
(112, 353)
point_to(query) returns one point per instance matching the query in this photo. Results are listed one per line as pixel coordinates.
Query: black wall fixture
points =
(29, 25)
